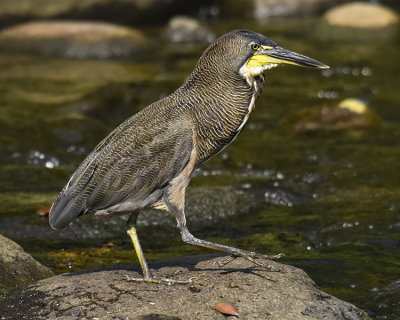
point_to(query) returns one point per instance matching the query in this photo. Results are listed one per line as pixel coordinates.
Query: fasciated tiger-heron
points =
(148, 161)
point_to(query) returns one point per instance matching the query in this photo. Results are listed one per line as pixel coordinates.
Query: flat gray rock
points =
(282, 293)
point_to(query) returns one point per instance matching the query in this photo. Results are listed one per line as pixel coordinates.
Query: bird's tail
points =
(63, 210)
(71, 202)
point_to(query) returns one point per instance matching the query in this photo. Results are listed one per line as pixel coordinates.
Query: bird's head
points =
(249, 54)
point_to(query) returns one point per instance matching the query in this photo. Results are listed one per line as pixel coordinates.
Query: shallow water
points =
(329, 197)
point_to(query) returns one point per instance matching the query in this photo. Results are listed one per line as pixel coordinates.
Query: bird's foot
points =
(254, 258)
(160, 280)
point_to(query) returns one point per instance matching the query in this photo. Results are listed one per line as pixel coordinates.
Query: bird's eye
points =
(255, 46)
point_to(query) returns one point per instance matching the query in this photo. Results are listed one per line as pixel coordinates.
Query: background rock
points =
(155, 12)
(285, 293)
(18, 268)
(130, 12)
(361, 15)
(350, 113)
(359, 21)
(72, 39)
(182, 29)
(263, 10)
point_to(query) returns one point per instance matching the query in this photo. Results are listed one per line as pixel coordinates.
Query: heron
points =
(149, 160)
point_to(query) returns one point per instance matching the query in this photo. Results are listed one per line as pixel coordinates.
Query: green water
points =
(336, 212)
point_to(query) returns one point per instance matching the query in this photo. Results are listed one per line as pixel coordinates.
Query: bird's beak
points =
(267, 56)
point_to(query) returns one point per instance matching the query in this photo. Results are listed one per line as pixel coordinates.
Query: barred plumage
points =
(149, 159)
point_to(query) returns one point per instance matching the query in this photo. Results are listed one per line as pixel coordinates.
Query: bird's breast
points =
(257, 86)
(221, 120)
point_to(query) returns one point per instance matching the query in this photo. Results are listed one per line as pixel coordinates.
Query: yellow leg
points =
(139, 252)
(147, 276)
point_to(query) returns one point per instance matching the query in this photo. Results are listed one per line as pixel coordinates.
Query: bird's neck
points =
(220, 110)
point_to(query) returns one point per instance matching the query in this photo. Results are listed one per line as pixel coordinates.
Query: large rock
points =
(283, 293)
(72, 39)
(18, 268)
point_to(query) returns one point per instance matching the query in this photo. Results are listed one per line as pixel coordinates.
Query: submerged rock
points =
(183, 29)
(18, 268)
(283, 293)
(72, 39)
(359, 20)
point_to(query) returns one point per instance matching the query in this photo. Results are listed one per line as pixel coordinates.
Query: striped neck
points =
(221, 111)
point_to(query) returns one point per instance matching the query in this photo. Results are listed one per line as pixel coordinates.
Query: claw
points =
(252, 258)
(160, 280)
(274, 257)
(223, 263)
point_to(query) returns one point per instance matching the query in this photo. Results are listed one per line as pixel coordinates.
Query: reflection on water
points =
(328, 199)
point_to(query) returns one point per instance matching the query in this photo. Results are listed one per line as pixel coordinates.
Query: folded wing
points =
(131, 164)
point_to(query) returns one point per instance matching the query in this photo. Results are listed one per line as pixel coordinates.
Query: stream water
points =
(328, 197)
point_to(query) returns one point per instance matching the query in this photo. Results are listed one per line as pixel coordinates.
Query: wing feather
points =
(130, 164)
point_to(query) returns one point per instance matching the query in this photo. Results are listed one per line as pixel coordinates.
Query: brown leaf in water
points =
(43, 211)
(226, 308)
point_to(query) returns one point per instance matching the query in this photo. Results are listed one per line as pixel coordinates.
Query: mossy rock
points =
(18, 268)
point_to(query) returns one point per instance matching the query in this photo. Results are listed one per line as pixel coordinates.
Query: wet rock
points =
(284, 293)
(131, 12)
(72, 39)
(359, 20)
(183, 29)
(18, 268)
(204, 207)
(348, 114)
